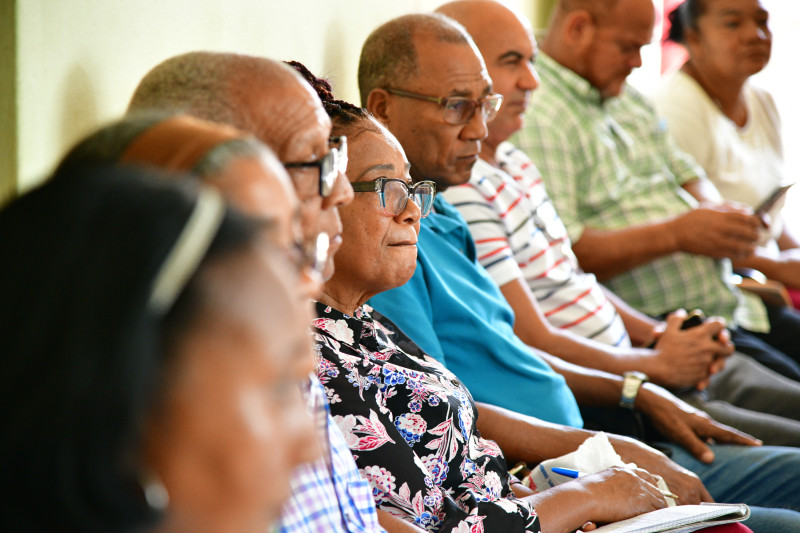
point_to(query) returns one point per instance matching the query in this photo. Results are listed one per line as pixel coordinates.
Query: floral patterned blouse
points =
(411, 427)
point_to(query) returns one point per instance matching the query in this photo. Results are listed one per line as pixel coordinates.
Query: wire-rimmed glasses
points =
(458, 109)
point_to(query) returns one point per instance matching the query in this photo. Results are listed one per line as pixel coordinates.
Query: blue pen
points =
(568, 472)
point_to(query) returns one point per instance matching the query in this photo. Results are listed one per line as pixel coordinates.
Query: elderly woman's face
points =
(379, 251)
(233, 423)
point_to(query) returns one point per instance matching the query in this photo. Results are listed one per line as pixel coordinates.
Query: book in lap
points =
(680, 519)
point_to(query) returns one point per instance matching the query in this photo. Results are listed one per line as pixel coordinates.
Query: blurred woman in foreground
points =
(146, 385)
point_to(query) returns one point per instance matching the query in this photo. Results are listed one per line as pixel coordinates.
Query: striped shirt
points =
(330, 494)
(519, 235)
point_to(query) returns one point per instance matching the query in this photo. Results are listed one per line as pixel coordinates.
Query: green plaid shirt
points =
(609, 165)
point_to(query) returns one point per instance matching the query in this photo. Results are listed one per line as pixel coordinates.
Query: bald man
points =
(641, 214)
(270, 100)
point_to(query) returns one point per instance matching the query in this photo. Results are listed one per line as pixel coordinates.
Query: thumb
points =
(675, 320)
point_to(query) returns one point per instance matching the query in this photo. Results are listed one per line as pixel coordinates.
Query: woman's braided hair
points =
(343, 114)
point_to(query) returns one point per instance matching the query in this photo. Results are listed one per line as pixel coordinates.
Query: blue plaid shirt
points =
(329, 494)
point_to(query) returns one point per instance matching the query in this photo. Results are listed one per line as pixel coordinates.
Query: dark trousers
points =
(779, 349)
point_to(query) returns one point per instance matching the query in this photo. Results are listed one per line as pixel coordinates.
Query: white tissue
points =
(595, 454)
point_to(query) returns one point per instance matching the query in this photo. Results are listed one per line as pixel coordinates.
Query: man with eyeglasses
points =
(453, 309)
(270, 100)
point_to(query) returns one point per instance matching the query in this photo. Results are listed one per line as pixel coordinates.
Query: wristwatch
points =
(630, 388)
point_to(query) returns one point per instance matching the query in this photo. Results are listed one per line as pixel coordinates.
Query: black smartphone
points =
(694, 318)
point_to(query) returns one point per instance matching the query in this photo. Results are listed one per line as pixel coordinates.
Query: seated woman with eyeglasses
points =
(410, 423)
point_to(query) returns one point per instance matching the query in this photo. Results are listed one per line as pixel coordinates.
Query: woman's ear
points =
(378, 104)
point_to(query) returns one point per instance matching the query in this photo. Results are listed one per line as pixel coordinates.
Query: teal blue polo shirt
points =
(456, 313)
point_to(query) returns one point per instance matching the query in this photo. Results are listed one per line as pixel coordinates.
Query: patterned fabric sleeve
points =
(411, 427)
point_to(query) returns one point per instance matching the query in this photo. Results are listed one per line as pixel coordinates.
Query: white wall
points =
(782, 78)
(78, 61)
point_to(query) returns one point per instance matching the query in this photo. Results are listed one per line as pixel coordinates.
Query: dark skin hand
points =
(685, 425)
(675, 419)
(685, 484)
(692, 355)
(718, 231)
(528, 439)
(610, 495)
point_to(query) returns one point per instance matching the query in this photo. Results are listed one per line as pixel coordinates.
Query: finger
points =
(724, 336)
(728, 435)
(646, 476)
(675, 320)
(713, 327)
(689, 440)
(689, 488)
(588, 526)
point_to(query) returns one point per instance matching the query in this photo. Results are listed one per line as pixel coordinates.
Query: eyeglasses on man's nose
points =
(329, 165)
(458, 109)
(394, 194)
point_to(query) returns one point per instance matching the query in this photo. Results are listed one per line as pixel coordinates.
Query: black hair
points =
(84, 354)
(339, 110)
(685, 16)
(344, 115)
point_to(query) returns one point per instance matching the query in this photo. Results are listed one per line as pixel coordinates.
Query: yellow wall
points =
(78, 61)
(8, 99)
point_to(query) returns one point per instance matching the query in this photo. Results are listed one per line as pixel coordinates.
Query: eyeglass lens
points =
(394, 196)
(460, 110)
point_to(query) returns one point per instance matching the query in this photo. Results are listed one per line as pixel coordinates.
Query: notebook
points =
(680, 519)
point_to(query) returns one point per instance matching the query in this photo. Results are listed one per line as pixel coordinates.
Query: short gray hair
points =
(389, 56)
(208, 85)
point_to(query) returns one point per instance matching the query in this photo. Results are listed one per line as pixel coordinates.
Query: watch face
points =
(630, 388)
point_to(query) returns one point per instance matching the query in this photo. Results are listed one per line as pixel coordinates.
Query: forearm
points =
(595, 355)
(525, 438)
(785, 268)
(640, 327)
(590, 387)
(533, 328)
(563, 508)
(607, 253)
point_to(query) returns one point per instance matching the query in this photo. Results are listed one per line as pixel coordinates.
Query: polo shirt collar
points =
(574, 83)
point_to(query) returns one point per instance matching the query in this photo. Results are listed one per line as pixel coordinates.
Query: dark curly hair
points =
(685, 16)
(344, 115)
